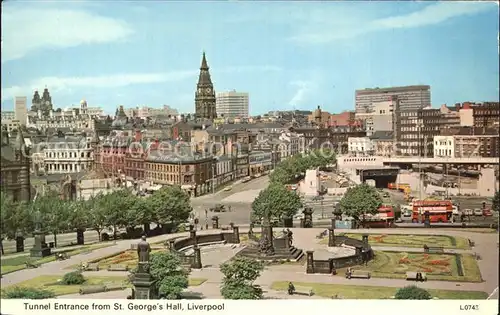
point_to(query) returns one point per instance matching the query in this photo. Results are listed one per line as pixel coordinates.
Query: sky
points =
(286, 55)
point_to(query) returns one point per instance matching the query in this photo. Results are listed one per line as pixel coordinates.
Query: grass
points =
(394, 265)
(403, 240)
(373, 292)
(49, 282)
(9, 265)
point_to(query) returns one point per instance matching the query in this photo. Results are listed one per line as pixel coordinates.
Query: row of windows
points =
(66, 155)
(168, 168)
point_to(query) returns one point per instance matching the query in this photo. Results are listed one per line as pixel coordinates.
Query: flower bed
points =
(387, 264)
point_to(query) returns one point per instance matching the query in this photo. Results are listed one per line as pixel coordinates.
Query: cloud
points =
(66, 84)
(25, 31)
(323, 31)
(303, 88)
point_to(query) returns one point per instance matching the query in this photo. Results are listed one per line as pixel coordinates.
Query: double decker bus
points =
(439, 210)
(384, 218)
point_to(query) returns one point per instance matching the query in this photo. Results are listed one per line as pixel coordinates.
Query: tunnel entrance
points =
(382, 176)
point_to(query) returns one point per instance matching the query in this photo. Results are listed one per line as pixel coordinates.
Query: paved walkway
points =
(486, 246)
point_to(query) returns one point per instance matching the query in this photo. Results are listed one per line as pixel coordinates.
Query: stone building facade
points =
(15, 168)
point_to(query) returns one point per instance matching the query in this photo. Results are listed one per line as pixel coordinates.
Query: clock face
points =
(47, 103)
(208, 90)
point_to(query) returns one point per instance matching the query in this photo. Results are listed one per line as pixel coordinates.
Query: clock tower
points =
(205, 94)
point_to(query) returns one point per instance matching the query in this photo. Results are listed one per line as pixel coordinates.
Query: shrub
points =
(412, 293)
(74, 277)
(28, 293)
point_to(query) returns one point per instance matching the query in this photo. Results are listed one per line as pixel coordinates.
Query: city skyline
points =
(285, 55)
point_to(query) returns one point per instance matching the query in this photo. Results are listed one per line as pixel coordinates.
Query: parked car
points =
(468, 212)
(487, 213)
(228, 188)
(246, 179)
(478, 212)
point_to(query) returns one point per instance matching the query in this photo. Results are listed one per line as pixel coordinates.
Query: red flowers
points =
(404, 260)
(438, 262)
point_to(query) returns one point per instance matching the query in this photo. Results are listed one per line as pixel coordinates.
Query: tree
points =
(412, 293)
(140, 213)
(7, 204)
(496, 202)
(54, 211)
(171, 205)
(170, 278)
(359, 201)
(116, 205)
(239, 276)
(281, 203)
(96, 207)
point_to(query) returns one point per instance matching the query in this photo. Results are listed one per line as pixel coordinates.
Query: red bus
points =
(439, 210)
(384, 218)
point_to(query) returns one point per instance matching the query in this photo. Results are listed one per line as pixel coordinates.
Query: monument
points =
(40, 248)
(307, 222)
(143, 281)
(269, 248)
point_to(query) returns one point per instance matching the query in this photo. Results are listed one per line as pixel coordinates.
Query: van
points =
(478, 212)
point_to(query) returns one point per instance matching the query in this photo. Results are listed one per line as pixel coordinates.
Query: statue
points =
(289, 233)
(143, 250)
(38, 220)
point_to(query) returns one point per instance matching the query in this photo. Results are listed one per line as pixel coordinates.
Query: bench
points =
(416, 276)
(359, 274)
(322, 234)
(303, 290)
(91, 289)
(435, 250)
(61, 256)
(117, 268)
(91, 267)
(31, 264)
(471, 243)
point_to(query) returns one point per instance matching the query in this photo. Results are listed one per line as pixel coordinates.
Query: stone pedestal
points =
(215, 222)
(40, 248)
(333, 224)
(310, 261)
(80, 239)
(301, 222)
(236, 234)
(331, 237)
(192, 235)
(143, 283)
(365, 239)
(427, 220)
(19, 244)
(171, 245)
(197, 258)
(191, 227)
(308, 223)
(288, 222)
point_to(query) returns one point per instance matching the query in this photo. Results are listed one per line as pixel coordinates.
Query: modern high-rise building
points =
(205, 94)
(232, 104)
(412, 97)
(21, 109)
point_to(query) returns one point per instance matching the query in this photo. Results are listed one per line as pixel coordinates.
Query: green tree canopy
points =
(359, 200)
(171, 205)
(239, 276)
(496, 202)
(412, 293)
(116, 205)
(288, 170)
(278, 200)
(171, 278)
(55, 212)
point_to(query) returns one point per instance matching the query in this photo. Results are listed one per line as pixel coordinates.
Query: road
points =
(239, 198)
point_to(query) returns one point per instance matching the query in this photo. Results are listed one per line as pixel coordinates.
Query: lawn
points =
(403, 240)
(373, 292)
(128, 258)
(9, 265)
(49, 282)
(394, 265)
(475, 230)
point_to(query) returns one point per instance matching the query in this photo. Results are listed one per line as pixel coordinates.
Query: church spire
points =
(204, 65)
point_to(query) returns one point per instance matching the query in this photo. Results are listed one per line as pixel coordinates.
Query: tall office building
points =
(232, 104)
(411, 97)
(21, 109)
